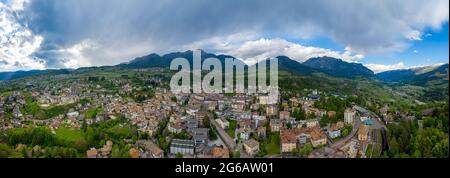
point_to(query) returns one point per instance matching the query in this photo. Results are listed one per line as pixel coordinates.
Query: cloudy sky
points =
(382, 34)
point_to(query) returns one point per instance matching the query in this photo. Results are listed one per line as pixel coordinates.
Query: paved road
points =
(284, 155)
(377, 124)
(224, 136)
(341, 142)
(231, 144)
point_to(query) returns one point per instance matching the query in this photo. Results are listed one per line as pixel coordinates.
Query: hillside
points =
(421, 76)
(339, 68)
(22, 74)
(155, 60)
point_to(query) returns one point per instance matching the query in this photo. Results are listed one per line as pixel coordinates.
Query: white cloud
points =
(17, 42)
(377, 68)
(261, 49)
(415, 51)
(137, 28)
(426, 66)
(92, 53)
(17, 5)
(221, 43)
(74, 56)
(367, 27)
(414, 35)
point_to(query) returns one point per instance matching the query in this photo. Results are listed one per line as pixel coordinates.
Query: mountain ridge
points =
(327, 65)
(338, 67)
(416, 76)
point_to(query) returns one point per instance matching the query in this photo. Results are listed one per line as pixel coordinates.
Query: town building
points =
(363, 133)
(244, 133)
(271, 110)
(349, 115)
(92, 153)
(275, 125)
(312, 123)
(288, 141)
(223, 123)
(201, 116)
(182, 146)
(175, 127)
(262, 132)
(220, 152)
(151, 150)
(200, 136)
(302, 138)
(284, 115)
(335, 130)
(191, 124)
(251, 147)
(259, 120)
(331, 114)
(318, 138)
(134, 153)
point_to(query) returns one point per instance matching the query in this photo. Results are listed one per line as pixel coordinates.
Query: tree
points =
(305, 150)
(206, 122)
(324, 121)
(393, 147)
(80, 144)
(312, 115)
(406, 138)
(299, 114)
(211, 130)
(5, 151)
(31, 136)
(91, 137)
(344, 132)
(237, 154)
(116, 152)
(182, 135)
(179, 155)
(212, 133)
(289, 125)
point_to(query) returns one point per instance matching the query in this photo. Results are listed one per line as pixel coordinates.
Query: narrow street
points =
(231, 144)
(341, 142)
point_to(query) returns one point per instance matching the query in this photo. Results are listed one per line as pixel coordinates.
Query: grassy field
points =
(69, 134)
(92, 112)
(6, 94)
(232, 128)
(118, 131)
(272, 144)
(40, 113)
(369, 151)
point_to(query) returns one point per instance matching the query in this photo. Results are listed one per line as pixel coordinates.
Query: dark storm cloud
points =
(122, 29)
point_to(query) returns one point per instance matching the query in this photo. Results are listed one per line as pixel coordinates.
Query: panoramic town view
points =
(74, 86)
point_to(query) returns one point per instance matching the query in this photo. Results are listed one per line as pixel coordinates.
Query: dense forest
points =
(408, 139)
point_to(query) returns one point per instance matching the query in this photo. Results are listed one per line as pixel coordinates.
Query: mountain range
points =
(326, 65)
(155, 60)
(433, 74)
(338, 68)
(22, 74)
